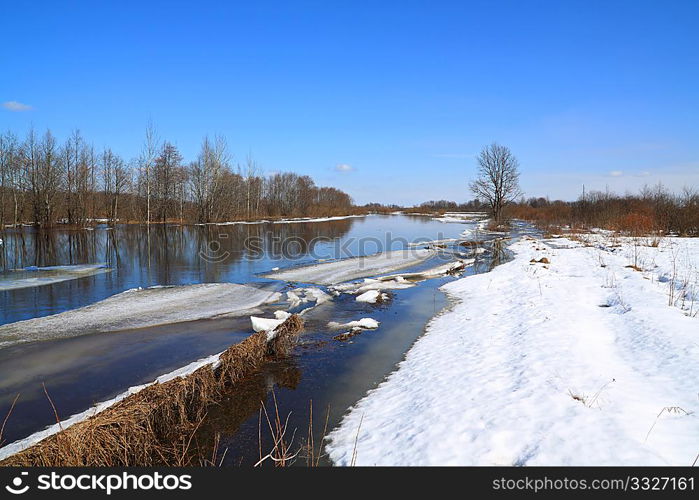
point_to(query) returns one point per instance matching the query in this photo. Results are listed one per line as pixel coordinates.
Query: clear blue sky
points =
(404, 93)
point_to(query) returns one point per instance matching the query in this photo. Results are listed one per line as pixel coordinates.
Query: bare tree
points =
(74, 169)
(115, 178)
(164, 178)
(42, 174)
(252, 186)
(146, 161)
(498, 179)
(206, 175)
(9, 173)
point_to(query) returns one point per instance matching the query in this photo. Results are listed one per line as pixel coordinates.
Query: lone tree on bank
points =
(498, 179)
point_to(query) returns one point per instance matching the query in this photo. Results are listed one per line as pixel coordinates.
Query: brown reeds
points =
(156, 425)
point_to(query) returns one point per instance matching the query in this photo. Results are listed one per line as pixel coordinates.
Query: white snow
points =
(139, 308)
(365, 323)
(567, 363)
(462, 217)
(433, 243)
(434, 272)
(370, 296)
(401, 280)
(39, 276)
(299, 296)
(265, 324)
(397, 283)
(269, 325)
(338, 271)
(288, 221)
(476, 251)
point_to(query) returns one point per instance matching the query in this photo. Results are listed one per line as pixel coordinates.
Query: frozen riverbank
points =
(578, 361)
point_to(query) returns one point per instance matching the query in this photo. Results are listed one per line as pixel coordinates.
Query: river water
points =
(326, 373)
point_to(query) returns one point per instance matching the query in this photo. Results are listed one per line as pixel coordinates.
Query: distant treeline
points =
(448, 206)
(654, 209)
(44, 182)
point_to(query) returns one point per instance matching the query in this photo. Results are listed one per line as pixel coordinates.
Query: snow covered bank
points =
(462, 217)
(338, 271)
(37, 276)
(141, 308)
(287, 221)
(581, 361)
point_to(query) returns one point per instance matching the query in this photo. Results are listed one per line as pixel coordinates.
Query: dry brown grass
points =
(342, 337)
(156, 426)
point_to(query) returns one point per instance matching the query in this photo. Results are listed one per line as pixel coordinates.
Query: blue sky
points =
(402, 94)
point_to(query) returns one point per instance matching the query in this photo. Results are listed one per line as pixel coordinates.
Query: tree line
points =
(43, 182)
(653, 209)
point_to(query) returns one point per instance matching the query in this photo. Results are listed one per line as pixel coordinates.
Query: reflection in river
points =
(141, 257)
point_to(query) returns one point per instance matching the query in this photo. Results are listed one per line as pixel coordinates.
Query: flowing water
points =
(80, 371)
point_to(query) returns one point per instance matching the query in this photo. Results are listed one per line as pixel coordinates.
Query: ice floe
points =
(286, 221)
(299, 296)
(371, 296)
(365, 323)
(339, 271)
(38, 276)
(402, 280)
(139, 308)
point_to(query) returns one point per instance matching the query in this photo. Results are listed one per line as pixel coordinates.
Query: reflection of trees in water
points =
(276, 240)
(162, 253)
(291, 241)
(30, 246)
(500, 253)
(424, 219)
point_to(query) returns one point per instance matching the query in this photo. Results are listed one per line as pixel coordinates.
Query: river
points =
(331, 375)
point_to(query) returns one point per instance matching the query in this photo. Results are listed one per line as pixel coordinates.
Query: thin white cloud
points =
(616, 173)
(16, 106)
(344, 168)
